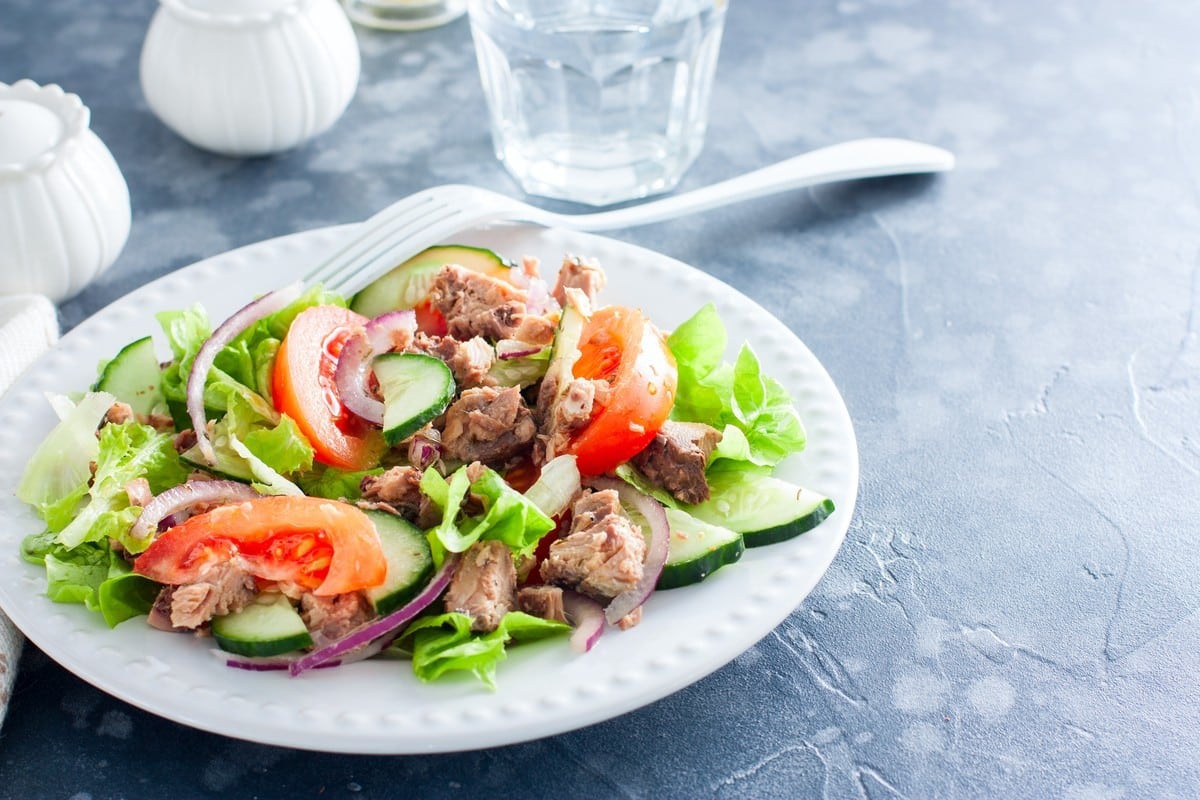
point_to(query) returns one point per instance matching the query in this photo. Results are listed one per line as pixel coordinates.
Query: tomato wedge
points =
(303, 388)
(621, 346)
(322, 545)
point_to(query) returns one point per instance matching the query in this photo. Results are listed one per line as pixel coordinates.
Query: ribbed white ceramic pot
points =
(64, 205)
(249, 77)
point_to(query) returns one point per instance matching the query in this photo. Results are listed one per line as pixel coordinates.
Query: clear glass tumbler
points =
(597, 101)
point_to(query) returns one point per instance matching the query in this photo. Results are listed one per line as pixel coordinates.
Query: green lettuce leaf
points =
(126, 452)
(445, 643)
(74, 575)
(56, 478)
(334, 483)
(251, 447)
(737, 396)
(766, 413)
(508, 515)
(91, 575)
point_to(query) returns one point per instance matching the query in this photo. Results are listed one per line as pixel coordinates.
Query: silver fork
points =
(426, 218)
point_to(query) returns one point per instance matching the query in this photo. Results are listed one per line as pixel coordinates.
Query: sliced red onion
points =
(538, 300)
(514, 348)
(353, 370)
(381, 335)
(387, 331)
(285, 661)
(656, 551)
(588, 618)
(171, 520)
(425, 447)
(375, 629)
(184, 496)
(226, 332)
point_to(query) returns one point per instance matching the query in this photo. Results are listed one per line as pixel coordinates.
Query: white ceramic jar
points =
(249, 77)
(64, 205)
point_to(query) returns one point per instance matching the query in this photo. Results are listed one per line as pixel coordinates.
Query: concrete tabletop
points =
(1014, 610)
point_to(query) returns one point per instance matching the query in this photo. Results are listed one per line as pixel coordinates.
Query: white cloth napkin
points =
(28, 326)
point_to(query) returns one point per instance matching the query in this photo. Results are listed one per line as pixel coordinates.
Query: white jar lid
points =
(26, 131)
(36, 122)
(233, 13)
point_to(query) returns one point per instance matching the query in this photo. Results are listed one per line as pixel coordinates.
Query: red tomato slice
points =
(622, 347)
(323, 545)
(303, 388)
(430, 320)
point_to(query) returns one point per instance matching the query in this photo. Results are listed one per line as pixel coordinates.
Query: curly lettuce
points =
(754, 411)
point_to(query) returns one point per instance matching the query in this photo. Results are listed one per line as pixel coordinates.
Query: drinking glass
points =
(597, 101)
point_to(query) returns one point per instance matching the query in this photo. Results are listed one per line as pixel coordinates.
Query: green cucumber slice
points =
(415, 388)
(409, 562)
(697, 549)
(408, 284)
(765, 510)
(565, 352)
(267, 627)
(134, 377)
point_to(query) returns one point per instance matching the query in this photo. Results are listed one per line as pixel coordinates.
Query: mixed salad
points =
(461, 457)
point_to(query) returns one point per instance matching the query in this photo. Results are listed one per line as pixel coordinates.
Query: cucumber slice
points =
(697, 549)
(134, 377)
(564, 353)
(763, 509)
(408, 284)
(409, 562)
(415, 388)
(267, 627)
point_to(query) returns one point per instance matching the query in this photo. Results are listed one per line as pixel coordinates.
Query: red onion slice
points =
(226, 332)
(383, 334)
(538, 300)
(391, 331)
(588, 618)
(350, 377)
(285, 661)
(425, 448)
(515, 348)
(656, 551)
(381, 627)
(184, 496)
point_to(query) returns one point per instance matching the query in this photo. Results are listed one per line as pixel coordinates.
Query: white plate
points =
(380, 707)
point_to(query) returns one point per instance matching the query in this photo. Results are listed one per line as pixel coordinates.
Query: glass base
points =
(404, 15)
(592, 173)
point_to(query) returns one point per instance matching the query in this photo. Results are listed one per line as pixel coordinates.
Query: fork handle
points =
(859, 158)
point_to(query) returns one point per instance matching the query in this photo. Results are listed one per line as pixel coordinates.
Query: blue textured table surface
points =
(1014, 610)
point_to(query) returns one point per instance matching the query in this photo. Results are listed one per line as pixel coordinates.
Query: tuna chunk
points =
(331, 618)
(562, 416)
(535, 330)
(542, 601)
(475, 304)
(399, 487)
(138, 492)
(582, 274)
(185, 440)
(398, 491)
(469, 361)
(222, 589)
(488, 425)
(119, 413)
(484, 585)
(676, 458)
(602, 555)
